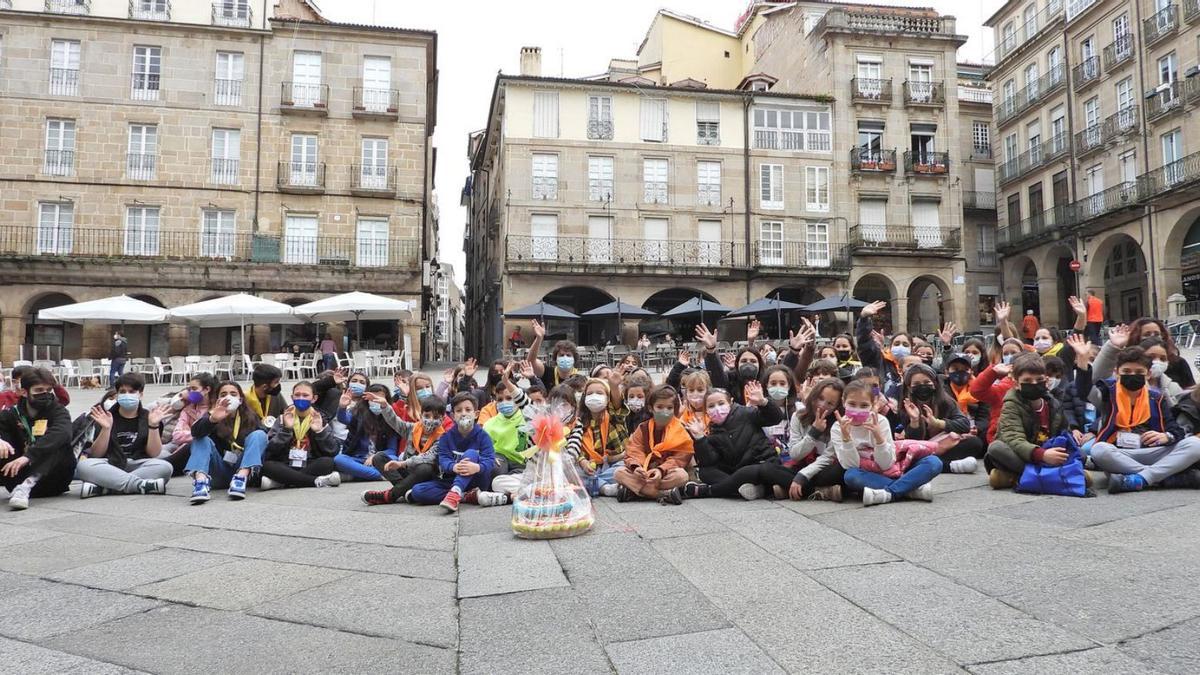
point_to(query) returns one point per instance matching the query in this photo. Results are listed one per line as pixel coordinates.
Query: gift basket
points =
(552, 502)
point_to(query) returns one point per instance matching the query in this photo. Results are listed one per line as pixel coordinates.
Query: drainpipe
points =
(258, 122)
(1150, 214)
(747, 99)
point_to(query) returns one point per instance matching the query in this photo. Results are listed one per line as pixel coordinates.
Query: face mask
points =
(42, 402)
(424, 393)
(302, 404)
(858, 416)
(718, 413)
(770, 357)
(178, 402)
(596, 402)
(662, 416)
(430, 425)
(843, 354)
(974, 359)
(566, 362)
(959, 377)
(777, 393)
(109, 403)
(748, 371)
(900, 351)
(195, 397)
(695, 400)
(274, 391)
(375, 408)
(466, 422)
(506, 408)
(922, 392)
(1042, 345)
(357, 388)
(1052, 383)
(1157, 368)
(927, 360)
(1008, 358)
(1133, 382)
(128, 401)
(876, 391)
(234, 403)
(635, 404)
(1032, 391)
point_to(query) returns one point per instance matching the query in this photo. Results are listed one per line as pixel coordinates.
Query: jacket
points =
(675, 453)
(56, 439)
(281, 439)
(354, 446)
(956, 422)
(183, 426)
(206, 428)
(986, 388)
(1018, 425)
(739, 440)
(870, 353)
(1074, 406)
(452, 445)
(328, 396)
(1104, 395)
(1187, 415)
(115, 455)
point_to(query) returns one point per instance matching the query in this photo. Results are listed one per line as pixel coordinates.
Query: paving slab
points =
(421, 611)
(654, 521)
(240, 584)
(490, 564)
(28, 659)
(139, 569)
(1158, 530)
(229, 642)
(20, 534)
(1075, 512)
(951, 618)
(529, 632)
(11, 583)
(137, 530)
(1098, 660)
(607, 557)
(49, 609)
(802, 542)
(64, 552)
(1175, 649)
(717, 651)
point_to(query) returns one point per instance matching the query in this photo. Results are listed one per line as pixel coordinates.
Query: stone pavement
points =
(313, 581)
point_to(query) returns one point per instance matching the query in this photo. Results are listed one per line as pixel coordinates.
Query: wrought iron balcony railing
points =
(1033, 230)
(869, 160)
(81, 7)
(145, 86)
(150, 10)
(1172, 98)
(227, 92)
(870, 90)
(1191, 10)
(1118, 51)
(1033, 158)
(981, 201)
(59, 163)
(926, 163)
(301, 96)
(801, 256)
(1009, 44)
(64, 81)
(600, 130)
(1119, 196)
(232, 13)
(577, 253)
(1008, 109)
(928, 240)
(924, 93)
(1087, 72)
(371, 101)
(1159, 25)
(225, 171)
(301, 177)
(1122, 123)
(141, 165)
(373, 178)
(1170, 177)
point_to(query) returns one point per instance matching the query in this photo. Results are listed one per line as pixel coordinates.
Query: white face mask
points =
(233, 403)
(1052, 383)
(595, 402)
(1157, 368)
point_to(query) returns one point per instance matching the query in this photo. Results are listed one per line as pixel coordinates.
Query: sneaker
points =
(89, 490)
(485, 498)
(451, 500)
(923, 493)
(623, 493)
(609, 490)
(1184, 480)
(237, 487)
(872, 497)
(673, 496)
(377, 497)
(778, 492)
(1120, 482)
(268, 484)
(831, 493)
(964, 465)
(1000, 479)
(200, 491)
(329, 480)
(750, 491)
(694, 490)
(471, 496)
(158, 486)
(18, 500)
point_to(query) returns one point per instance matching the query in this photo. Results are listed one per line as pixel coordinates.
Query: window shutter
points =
(545, 114)
(927, 224)
(654, 119)
(872, 220)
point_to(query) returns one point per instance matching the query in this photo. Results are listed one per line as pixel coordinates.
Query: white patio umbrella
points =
(356, 306)
(235, 310)
(118, 309)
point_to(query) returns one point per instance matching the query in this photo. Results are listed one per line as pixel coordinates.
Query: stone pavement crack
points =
(1035, 656)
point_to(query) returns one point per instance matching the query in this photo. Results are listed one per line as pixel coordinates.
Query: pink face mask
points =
(717, 414)
(858, 415)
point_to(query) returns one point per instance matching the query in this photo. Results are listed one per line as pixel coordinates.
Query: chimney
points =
(531, 61)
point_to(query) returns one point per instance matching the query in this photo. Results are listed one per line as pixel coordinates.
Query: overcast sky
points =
(478, 38)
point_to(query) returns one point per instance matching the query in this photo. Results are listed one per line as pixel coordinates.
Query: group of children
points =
(865, 416)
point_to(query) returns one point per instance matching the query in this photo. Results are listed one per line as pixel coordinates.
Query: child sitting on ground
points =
(657, 454)
(466, 458)
(417, 462)
(1029, 417)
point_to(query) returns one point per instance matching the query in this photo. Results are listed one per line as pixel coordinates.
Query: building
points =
(1092, 130)
(450, 319)
(177, 151)
(813, 150)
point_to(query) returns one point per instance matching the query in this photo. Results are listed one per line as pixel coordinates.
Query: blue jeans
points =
(115, 369)
(434, 491)
(920, 473)
(207, 459)
(354, 466)
(603, 476)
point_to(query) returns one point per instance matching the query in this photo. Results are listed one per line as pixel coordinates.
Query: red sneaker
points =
(451, 500)
(472, 496)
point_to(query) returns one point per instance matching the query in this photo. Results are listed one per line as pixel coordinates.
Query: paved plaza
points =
(311, 580)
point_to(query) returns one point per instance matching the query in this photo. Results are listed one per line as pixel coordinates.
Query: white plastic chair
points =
(179, 369)
(69, 372)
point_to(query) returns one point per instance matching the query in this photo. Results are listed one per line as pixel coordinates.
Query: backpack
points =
(82, 434)
(1066, 480)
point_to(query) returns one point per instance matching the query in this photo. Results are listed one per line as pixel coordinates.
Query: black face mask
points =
(923, 392)
(844, 354)
(748, 371)
(1032, 391)
(927, 360)
(41, 402)
(1133, 382)
(274, 391)
(959, 377)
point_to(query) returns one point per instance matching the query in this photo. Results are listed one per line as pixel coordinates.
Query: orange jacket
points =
(674, 451)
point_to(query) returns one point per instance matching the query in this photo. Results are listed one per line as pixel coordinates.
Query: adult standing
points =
(328, 353)
(1095, 317)
(117, 357)
(1029, 326)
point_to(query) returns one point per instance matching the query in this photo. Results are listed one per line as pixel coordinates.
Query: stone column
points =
(12, 334)
(178, 335)
(899, 314)
(1049, 301)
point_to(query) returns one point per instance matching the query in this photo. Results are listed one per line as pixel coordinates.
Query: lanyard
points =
(302, 430)
(25, 423)
(237, 424)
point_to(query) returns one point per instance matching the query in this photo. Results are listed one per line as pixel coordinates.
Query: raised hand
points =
(873, 308)
(538, 329)
(877, 336)
(101, 417)
(220, 411)
(527, 369)
(448, 375)
(470, 367)
(318, 422)
(289, 417)
(706, 337)
(727, 361)
(1082, 349)
(753, 330)
(685, 358)
(1002, 369)
(913, 412)
(346, 399)
(1002, 309)
(1077, 305)
(371, 397)
(754, 393)
(948, 332)
(821, 422)
(340, 376)
(1119, 336)
(695, 428)
(157, 414)
(843, 426)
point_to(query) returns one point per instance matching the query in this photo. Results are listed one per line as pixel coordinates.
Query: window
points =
(770, 243)
(921, 140)
(920, 82)
(217, 233)
(373, 174)
(654, 181)
(226, 156)
(599, 243)
(545, 175)
(306, 80)
(300, 240)
(770, 184)
(981, 136)
(545, 114)
(1054, 65)
(1010, 148)
(600, 179)
(816, 244)
(152, 10)
(64, 68)
(377, 84)
(231, 68)
(60, 147)
(1036, 203)
(142, 151)
(141, 230)
(985, 247)
(1172, 152)
(1031, 81)
(231, 13)
(55, 224)
(816, 188)
(1128, 165)
(544, 240)
(709, 242)
(868, 84)
(1014, 209)
(1008, 38)
(791, 129)
(1031, 21)
(1033, 132)
(654, 120)
(1010, 97)
(708, 181)
(927, 227)
(1091, 116)
(147, 71)
(303, 169)
(600, 118)
(1058, 129)
(872, 220)
(708, 123)
(1126, 117)
(655, 231)
(1093, 179)
(1168, 73)
(372, 242)
(870, 144)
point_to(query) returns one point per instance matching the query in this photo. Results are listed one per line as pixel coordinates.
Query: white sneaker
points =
(750, 491)
(329, 480)
(158, 486)
(964, 465)
(925, 492)
(18, 500)
(609, 490)
(493, 498)
(268, 484)
(89, 490)
(872, 497)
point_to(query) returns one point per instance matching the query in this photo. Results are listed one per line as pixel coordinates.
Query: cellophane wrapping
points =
(552, 502)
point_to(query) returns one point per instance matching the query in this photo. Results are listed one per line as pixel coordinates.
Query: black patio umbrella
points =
(842, 302)
(540, 310)
(618, 310)
(696, 306)
(766, 305)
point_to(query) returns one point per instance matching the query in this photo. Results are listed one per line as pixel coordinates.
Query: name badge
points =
(1128, 439)
(231, 457)
(39, 427)
(297, 457)
(268, 422)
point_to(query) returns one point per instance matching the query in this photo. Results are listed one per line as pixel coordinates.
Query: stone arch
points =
(49, 339)
(930, 304)
(878, 287)
(681, 327)
(580, 299)
(1179, 264)
(1056, 284)
(1119, 274)
(148, 339)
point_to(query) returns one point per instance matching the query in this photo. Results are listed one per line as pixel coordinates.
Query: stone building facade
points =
(181, 151)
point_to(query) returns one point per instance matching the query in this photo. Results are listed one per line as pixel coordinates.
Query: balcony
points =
(1160, 25)
(64, 82)
(1086, 73)
(1008, 45)
(981, 152)
(232, 13)
(105, 245)
(304, 178)
(926, 163)
(1117, 125)
(600, 130)
(145, 86)
(917, 94)
(227, 92)
(79, 7)
(373, 180)
(1033, 230)
(888, 239)
(985, 258)
(1008, 109)
(140, 166)
(871, 91)
(1191, 10)
(371, 103)
(1033, 158)
(575, 254)
(979, 201)
(1094, 212)
(788, 139)
(59, 163)
(1118, 51)
(979, 95)
(866, 21)
(1172, 98)
(866, 160)
(800, 257)
(225, 171)
(1168, 180)
(150, 10)
(304, 99)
